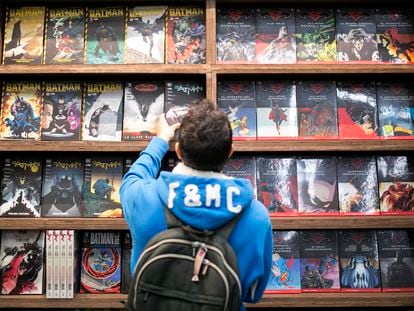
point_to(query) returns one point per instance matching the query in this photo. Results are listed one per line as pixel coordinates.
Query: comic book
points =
(396, 185)
(65, 36)
(395, 35)
(105, 35)
(49, 263)
(357, 110)
(396, 253)
(358, 185)
(56, 264)
(22, 262)
(356, 35)
(62, 182)
(317, 186)
(145, 35)
(275, 36)
(100, 191)
(21, 187)
(276, 110)
(237, 99)
(23, 35)
(277, 186)
(285, 275)
(102, 111)
(20, 110)
(72, 263)
(358, 261)
(317, 111)
(395, 109)
(242, 166)
(185, 35)
(126, 262)
(169, 161)
(101, 262)
(315, 35)
(143, 105)
(236, 36)
(62, 111)
(319, 268)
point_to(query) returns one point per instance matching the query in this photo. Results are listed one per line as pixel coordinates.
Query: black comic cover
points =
(102, 111)
(396, 253)
(317, 186)
(315, 35)
(276, 110)
(62, 183)
(145, 34)
(23, 35)
(275, 36)
(100, 192)
(285, 274)
(22, 262)
(358, 261)
(395, 109)
(319, 267)
(237, 99)
(126, 262)
(358, 185)
(395, 35)
(185, 35)
(396, 184)
(143, 105)
(236, 35)
(277, 186)
(101, 267)
(356, 35)
(21, 187)
(169, 161)
(65, 36)
(62, 111)
(105, 35)
(239, 166)
(357, 110)
(317, 112)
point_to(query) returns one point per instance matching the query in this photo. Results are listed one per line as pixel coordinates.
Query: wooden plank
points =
(211, 31)
(63, 223)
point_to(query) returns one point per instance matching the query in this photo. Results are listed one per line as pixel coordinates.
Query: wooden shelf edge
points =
(63, 223)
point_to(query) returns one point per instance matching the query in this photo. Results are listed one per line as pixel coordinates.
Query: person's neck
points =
(183, 169)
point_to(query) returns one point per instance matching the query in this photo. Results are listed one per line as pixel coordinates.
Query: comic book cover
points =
(143, 105)
(275, 36)
(62, 111)
(356, 35)
(20, 110)
(145, 35)
(102, 111)
(101, 262)
(65, 36)
(276, 110)
(319, 267)
(315, 35)
(22, 261)
(357, 110)
(23, 35)
(317, 111)
(277, 186)
(395, 109)
(242, 166)
(185, 35)
(236, 36)
(21, 187)
(317, 186)
(358, 261)
(396, 253)
(169, 161)
(105, 35)
(395, 35)
(62, 182)
(126, 262)
(72, 263)
(237, 99)
(285, 275)
(358, 185)
(396, 185)
(100, 192)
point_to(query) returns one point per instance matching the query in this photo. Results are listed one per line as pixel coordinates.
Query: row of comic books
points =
(104, 35)
(287, 35)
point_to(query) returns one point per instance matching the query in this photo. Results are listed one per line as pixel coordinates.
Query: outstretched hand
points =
(164, 130)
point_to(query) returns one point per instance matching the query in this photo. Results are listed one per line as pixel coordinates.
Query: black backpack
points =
(185, 269)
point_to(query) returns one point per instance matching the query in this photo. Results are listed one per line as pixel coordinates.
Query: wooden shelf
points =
(63, 223)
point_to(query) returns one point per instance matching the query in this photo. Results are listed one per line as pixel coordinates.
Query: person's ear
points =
(178, 150)
(231, 151)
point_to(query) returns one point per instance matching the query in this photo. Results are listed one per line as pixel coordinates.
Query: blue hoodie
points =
(204, 200)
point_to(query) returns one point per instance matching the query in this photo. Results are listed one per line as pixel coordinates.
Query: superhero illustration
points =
(239, 166)
(360, 274)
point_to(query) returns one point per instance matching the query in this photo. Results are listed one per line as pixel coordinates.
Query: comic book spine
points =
(63, 264)
(70, 264)
(49, 264)
(56, 263)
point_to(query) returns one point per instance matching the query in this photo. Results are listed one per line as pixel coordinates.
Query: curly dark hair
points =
(205, 137)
